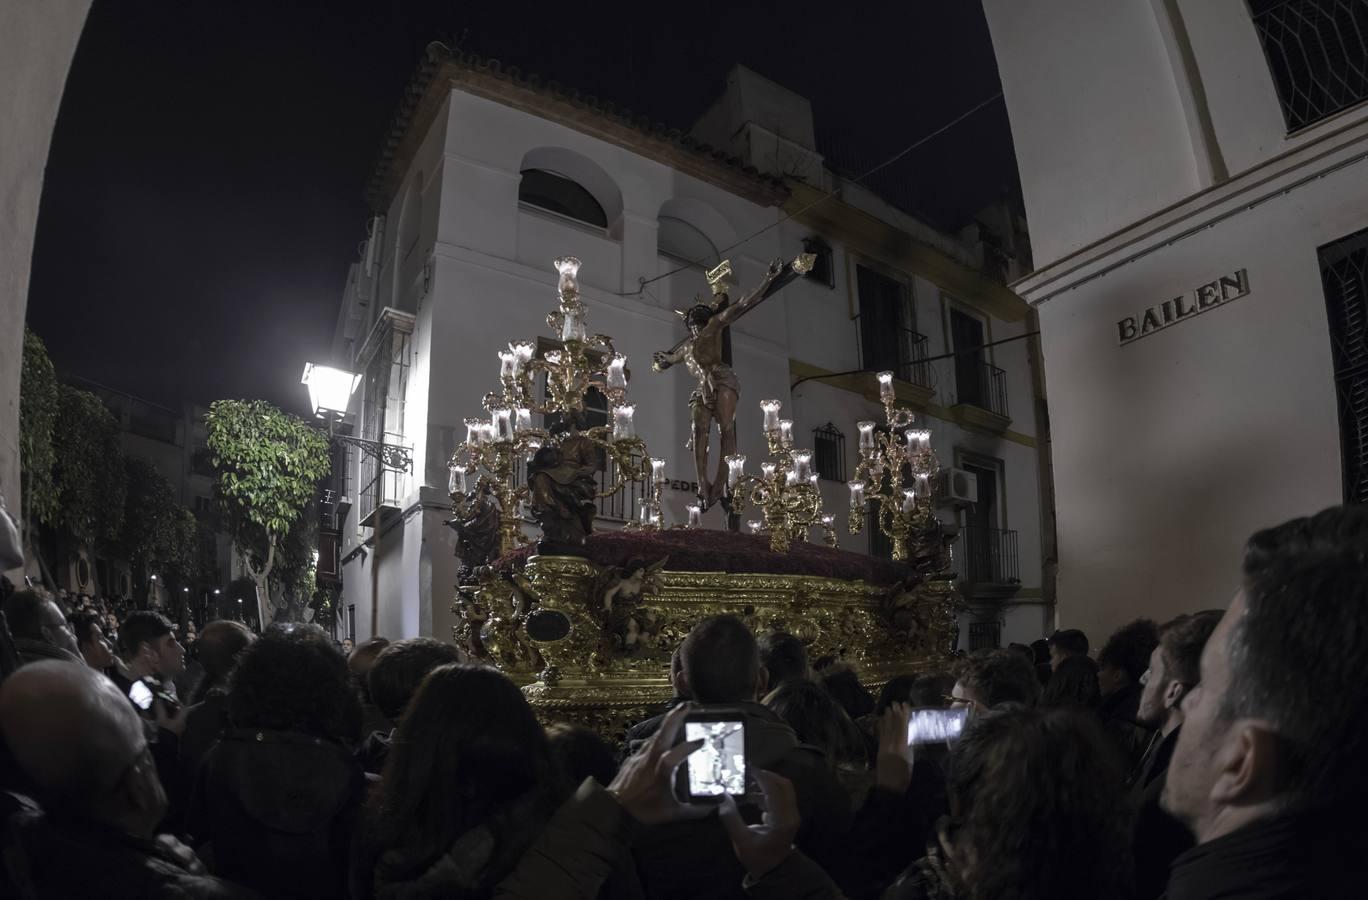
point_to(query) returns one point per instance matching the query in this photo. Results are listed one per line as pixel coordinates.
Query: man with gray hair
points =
(82, 747)
(1268, 770)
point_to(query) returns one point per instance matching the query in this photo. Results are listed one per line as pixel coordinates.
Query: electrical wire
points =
(822, 199)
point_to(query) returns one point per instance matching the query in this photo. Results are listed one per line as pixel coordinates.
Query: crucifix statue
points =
(714, 400)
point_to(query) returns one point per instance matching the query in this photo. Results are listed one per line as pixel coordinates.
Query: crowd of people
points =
(1215, 755)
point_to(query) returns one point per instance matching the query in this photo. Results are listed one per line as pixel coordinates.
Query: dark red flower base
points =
(725, 551)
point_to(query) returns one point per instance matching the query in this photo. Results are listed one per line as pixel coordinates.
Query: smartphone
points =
(140, 694)
(936, 726)
(718, 767)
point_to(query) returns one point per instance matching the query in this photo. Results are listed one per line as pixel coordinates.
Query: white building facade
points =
(488, 176)
(1195, 175)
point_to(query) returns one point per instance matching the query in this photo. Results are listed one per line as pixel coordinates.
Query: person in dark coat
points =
(220, 645)
(720, 667)
(1268, 769)
(391, 683)
(92, 831)
(1120, 664)
(39, 629)
(275, 800)
(1173, 672)
(469, 785)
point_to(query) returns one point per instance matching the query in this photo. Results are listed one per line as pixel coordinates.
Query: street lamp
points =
(330, 391)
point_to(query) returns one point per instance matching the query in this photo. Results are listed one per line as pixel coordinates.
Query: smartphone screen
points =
(936, 726)
(719, 766)
(140, 694)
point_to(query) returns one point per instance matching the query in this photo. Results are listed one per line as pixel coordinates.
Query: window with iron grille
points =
(1344, 275)
(888, 338)
(1317, 53)
(828, 452)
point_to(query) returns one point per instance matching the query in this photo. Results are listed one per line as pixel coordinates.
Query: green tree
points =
(37, 421)
(89, 472)
(149, 505)
(268, 465)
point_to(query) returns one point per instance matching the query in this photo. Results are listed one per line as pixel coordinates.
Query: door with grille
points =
(1344, 273)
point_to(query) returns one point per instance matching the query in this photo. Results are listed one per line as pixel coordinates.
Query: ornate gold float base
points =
(605, 662)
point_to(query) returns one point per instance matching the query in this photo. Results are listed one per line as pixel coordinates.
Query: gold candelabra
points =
(786, 491)
(895, 470)
(494, 446)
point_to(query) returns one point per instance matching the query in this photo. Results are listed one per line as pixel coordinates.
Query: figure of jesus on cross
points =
(714, 400)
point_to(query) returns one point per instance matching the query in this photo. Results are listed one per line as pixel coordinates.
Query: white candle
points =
(866, 435)
(572, 328)
(524, 419)
(617, 375)
(487, 433)
(754, 525)
(503, 424)
(886, 387)
(622, 422)
(771, 410)
(802, 464)
(909, 501)
(644, 517)
(474, 427)
(786, 432)
(736, 466)
(523, 351)
(828, 520)
(568, 267)
(553, 357)
(812, 480)
(857, 494)
(457, 483)
(918, 439)
(767, 470)
(508, 364)
(790, 478)
(922, 484)
(658, 470)
(695, 515)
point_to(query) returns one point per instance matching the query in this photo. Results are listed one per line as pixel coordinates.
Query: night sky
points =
(203, 197)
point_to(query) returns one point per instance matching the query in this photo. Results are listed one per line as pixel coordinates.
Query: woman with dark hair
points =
(1073, 685)
(277, 796)
(468, 786)
(1036, 810)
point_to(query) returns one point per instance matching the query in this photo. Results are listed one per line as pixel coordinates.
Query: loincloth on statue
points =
(719, 376)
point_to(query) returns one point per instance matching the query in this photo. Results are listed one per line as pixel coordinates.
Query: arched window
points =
(556, 193)
(685, 242)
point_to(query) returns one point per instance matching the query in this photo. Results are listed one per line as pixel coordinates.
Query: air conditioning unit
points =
(958, 487)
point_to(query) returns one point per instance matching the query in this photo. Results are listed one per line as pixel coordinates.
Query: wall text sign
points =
(1183, 307)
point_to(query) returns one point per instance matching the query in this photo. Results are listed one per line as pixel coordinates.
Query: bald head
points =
(71, 731)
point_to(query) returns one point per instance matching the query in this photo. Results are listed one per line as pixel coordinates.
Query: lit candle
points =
(909, 501)
(802, 464)
(568, 267)
(474, 427)
(812, 480)
(695, 515)
(866, 435)
(736, 466)
(508, 364)
(754, 525)
(918, 439)
(572, 328)
(553, 357)
(622, 422)
(503, 424)
(658, 470)
(617, 375)
(644, 517)
(524, 419)
(771, 410)
(487, 432)
(523, 351)
(655, 517)
(886, 387)
(922, 484)
(828, 520)
(790, 478)
(786, 432)
(857, 494)
(767, 470)
(457, 483)
(533, 445)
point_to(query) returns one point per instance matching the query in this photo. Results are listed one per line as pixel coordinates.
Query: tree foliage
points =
(268, 466)
(37, 421)
(159, 535)
(89, 472)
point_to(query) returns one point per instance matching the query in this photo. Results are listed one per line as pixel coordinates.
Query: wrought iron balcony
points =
(987, 556)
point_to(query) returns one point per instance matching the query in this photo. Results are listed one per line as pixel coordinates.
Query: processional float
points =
(586, 621)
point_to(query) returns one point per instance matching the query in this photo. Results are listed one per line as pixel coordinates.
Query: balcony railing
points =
(982, 385)
(904, 354)
(620, 507)
(987, 556)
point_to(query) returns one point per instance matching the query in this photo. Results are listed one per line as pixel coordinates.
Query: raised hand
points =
(893, 771)
(762, 847)
(645, 783)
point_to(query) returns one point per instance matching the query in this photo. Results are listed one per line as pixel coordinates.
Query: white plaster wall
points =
(1171, 451)
(37, 40)
(1099, 131)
